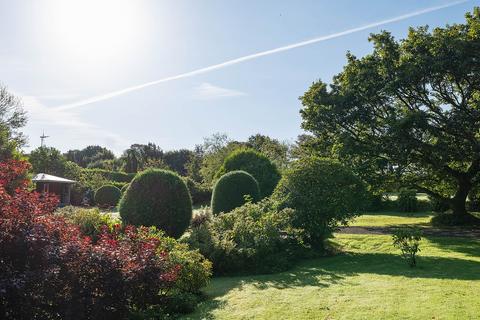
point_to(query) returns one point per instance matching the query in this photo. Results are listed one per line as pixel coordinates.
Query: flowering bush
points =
(50, 270)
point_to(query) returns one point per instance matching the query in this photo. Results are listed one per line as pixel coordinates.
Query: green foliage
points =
(107, 196)
(115, 176)
(404, 111)
(323, 193)
(254, 238)
(47, 160)
(231, 190)
(12, 118)
(407, 200)
(407, 239)
(90, 221)
(276, 151)
(91, 156)
(200, 194)
(255, 163)
(157, 198)
(438, 205)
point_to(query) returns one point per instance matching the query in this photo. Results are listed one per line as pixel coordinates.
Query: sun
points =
(96, 31)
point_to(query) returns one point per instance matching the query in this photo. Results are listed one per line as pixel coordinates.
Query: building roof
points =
(43, 177)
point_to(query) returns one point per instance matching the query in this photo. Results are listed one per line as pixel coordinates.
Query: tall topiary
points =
(323, 193)
(107, 196)
(255, 163)
(157, 198)
(230, 191)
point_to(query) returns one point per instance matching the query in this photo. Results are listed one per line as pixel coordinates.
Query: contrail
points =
(254, 56)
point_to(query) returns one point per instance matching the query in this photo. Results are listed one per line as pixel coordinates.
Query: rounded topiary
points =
(230, 190)
(124, 188)
(255, 163)
(107, 196)
(157, 198)
(323, 193)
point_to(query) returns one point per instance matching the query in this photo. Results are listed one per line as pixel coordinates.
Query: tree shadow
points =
(393, 213)
(468, 246)
(324, 272)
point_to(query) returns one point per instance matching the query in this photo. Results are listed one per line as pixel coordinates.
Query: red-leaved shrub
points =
(49, 270)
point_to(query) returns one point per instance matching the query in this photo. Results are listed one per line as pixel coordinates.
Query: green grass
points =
(385, 219)
(368, 281)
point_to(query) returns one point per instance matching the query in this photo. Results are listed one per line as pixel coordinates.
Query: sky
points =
(118, 72)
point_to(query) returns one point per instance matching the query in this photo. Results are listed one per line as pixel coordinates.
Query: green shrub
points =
(407, 239)
(254, 238)
(231, 191)
(438, 205)
(116, 176)
(255, 163)
(107, 196)
(323, 193)
(407, 200)
(157, 198)
(90, 221)
(200, 194)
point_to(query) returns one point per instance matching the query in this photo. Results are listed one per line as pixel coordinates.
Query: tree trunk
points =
(458, 202)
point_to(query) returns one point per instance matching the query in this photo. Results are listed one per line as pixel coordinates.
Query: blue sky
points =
(55, 53)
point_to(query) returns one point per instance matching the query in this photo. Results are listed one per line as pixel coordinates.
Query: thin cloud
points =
(41, 115)
(255, 56)
(208, 91)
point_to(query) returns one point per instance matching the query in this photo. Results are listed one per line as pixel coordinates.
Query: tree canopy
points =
(410, 110)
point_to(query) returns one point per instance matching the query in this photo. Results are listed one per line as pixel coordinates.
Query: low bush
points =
(49, 270)
(116, 176)
(232, 190)
(91, 222)
(407, 239)
(157, 198)
(255, 163)
(324, 195)
(254, 238)
(407, 200)
(107, 196)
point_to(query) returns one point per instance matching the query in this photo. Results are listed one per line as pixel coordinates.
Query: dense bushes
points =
(157, 198)
(49, 270)
(107, 196)
(91, 222)
(199, 193)
(449, 219)
(254, 238)
(323, 194)
(231, 191)
(407, 200)
(115, 176)
(255, 163)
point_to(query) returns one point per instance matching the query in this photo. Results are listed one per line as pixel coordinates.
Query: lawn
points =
(384, 219)
(368, 280)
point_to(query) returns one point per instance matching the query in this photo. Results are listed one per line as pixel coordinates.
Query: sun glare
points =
(92, 31)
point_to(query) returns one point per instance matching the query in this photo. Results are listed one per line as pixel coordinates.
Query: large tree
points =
(12, 118)
(410, 108)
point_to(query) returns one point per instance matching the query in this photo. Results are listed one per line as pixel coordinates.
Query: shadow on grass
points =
(324, 272)
(470, 247)
(421, 214)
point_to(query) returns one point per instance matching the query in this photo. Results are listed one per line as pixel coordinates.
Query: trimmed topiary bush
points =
(324, 195)
(230, 191)
(158, 198)
(107, 196)
(255, 163)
